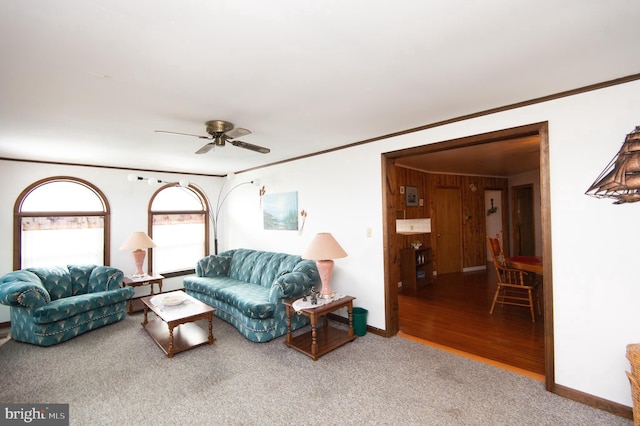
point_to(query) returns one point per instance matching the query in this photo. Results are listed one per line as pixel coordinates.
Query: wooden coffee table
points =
(175, 329)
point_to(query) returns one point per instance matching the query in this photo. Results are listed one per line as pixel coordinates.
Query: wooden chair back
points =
(511, 288)
(506, 274)
(497, 254)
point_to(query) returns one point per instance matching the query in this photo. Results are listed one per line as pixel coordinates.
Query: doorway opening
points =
(495, 144)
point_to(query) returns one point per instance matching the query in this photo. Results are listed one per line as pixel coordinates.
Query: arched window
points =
(59, 221)
(179, 225)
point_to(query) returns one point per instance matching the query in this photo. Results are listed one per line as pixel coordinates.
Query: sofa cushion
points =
(207, 285)
(56, 280)
(251, 299)
(80, 278)
(62, 309)
(104, 278)
(259, 267)
(213, 266)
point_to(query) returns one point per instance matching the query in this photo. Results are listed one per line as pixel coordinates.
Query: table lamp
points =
(138, 242)
(323, 249)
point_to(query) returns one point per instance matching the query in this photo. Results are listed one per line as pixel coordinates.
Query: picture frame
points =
(280, 211)
(411, 196)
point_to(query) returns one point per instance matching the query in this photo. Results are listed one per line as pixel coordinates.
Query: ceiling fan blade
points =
(183, 134)
(252, 147)
(237, 132)
(208, 147)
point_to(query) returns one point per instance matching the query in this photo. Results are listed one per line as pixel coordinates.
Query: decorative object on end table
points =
(620, 180)
(323, 249)
(138, 242)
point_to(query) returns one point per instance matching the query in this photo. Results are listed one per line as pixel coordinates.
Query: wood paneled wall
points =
(473, 209)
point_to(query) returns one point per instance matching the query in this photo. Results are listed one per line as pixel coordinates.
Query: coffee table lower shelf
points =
(328, 338)
(185, 336)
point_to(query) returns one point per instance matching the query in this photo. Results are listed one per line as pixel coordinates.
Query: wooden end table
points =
(320, 341)
(149, 280)
(175, 329)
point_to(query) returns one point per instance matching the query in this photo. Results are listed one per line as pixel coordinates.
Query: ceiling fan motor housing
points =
(218, 126)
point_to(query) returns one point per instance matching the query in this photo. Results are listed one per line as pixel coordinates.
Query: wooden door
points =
(448, 207)
(523, 221)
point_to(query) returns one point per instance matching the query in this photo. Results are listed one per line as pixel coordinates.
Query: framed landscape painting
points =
(280, 211)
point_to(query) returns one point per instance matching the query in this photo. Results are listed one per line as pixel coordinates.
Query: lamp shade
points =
(137, 240)
(324, 247)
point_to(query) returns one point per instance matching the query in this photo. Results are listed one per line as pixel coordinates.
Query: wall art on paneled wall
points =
(280, 211)
(411, 194)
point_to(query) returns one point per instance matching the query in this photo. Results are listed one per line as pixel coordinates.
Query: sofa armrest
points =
(309, 269)
(23, 294)
(105, 278)
(213, 266)
(289, 285)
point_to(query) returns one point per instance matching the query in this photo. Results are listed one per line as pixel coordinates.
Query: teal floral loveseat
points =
(54, 304)
(247, 288)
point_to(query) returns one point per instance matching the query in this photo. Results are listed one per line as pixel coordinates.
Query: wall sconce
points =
(304, 219)
(153, 181)
(620, 180)
(261, 193)
(492, 210)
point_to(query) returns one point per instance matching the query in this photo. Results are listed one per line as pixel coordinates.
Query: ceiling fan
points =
(220, 132)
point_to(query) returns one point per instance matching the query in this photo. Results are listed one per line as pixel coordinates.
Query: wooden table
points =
(175, 329)
(527, 263)
(320, 341)
(134, 304)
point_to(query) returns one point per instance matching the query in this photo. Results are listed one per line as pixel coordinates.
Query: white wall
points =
(596, 286)
(129, 202)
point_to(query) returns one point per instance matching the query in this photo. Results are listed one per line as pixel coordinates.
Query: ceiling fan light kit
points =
(220, 132)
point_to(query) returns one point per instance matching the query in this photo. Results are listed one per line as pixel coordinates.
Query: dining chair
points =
(512, 288)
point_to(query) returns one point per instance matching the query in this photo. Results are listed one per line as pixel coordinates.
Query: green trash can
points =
(359, 321)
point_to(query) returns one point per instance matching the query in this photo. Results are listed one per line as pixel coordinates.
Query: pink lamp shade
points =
(138, 242)
(323, 249)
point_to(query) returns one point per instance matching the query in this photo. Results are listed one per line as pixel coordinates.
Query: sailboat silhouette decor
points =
(620, 180)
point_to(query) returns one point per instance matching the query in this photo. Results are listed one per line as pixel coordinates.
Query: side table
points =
(135, 304)
(320, 341)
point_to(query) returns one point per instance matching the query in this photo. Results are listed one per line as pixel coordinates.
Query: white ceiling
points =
(89, 81)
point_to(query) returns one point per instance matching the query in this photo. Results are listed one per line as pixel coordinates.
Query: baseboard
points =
(594, 401)
(474, 268)
(343, 320)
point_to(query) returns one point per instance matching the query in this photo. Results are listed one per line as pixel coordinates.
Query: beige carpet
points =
(118, 376)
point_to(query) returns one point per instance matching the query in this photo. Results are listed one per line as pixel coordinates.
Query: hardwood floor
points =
(453, 311)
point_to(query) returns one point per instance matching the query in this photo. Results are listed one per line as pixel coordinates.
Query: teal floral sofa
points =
(247, 288)
(54, 304)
